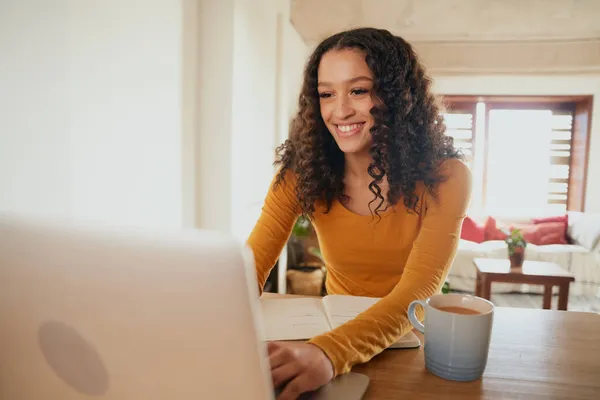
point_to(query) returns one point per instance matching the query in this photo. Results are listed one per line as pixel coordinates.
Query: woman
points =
(368, 161)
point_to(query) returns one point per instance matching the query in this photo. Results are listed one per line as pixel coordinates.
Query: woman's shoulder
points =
(454, 167)
(454, 177)
(284, 181)
(285, 177)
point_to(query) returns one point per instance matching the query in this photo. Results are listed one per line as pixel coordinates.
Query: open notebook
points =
(302, 318)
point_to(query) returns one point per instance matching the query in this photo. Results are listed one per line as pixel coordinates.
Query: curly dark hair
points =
(409, 140)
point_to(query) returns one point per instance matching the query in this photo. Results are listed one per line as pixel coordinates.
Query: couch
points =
(580, 255)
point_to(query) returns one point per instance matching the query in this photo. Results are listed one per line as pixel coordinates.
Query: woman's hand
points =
(302, 367)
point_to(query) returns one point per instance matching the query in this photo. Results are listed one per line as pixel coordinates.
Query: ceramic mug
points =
(457, 329)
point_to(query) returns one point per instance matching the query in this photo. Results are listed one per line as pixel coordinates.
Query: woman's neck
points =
(357, 165)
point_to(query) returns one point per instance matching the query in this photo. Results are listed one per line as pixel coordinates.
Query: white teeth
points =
(348, 128)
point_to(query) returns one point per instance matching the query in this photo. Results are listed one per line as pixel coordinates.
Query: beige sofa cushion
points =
(584, 229)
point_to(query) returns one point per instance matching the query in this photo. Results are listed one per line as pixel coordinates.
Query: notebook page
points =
(293, 319)
(341, 309)
(344, 308)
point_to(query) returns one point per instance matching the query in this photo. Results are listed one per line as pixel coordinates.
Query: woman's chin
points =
(353, 146)
(351, 150)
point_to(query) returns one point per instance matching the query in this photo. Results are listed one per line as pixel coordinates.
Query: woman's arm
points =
(274, 226)
(375, 329)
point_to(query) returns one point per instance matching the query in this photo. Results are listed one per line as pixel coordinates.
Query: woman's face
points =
(345, 83)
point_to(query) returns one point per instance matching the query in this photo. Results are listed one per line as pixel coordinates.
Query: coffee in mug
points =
(458, 310)
(457, 329)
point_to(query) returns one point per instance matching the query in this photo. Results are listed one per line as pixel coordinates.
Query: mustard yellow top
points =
(401, 257)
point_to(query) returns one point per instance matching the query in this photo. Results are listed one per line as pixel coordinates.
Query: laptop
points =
(89, 311)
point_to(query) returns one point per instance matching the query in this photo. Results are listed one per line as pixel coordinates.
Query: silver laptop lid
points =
(96, 312)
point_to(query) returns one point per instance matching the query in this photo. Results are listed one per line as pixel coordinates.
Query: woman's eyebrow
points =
(353, 80)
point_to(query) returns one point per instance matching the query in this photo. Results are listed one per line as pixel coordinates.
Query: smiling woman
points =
(368, 162)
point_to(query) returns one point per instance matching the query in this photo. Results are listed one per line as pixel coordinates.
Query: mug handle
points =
(412, 317)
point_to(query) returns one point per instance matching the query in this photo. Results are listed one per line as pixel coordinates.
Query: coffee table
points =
(533, 272)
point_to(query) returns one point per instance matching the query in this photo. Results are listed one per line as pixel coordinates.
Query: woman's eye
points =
(359, 91)
(325, 95)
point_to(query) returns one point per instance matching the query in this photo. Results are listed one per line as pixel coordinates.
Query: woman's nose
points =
(343, 108)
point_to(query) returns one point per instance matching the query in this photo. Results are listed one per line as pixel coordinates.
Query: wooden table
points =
(533, 272)
(534, 354)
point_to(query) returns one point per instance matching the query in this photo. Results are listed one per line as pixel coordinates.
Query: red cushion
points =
(492, 232)
(557, 218)
(544, 233)
(472, 231)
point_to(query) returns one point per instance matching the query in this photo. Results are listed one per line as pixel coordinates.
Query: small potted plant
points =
(303, 237)
(516, 248)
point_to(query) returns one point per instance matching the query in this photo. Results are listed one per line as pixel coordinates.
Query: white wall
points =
(153, 112)
(246, 81)
(35, 160)
(539, 85)
(268, 60)
(293, 56)
(90, 98)
(255, 115)
(214, 108)
(125, 110)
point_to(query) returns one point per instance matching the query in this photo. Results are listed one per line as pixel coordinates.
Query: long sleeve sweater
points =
(403, 256)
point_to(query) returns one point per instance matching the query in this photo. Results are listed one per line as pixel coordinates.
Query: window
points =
(528, 156)
(460, 124)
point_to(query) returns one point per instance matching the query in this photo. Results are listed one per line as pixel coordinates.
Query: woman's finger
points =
(284, 373)
(280, 354)
(272, 346)
(279, 357)
(296, 387)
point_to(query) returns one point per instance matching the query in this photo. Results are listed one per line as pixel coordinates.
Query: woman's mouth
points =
(348, 130)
